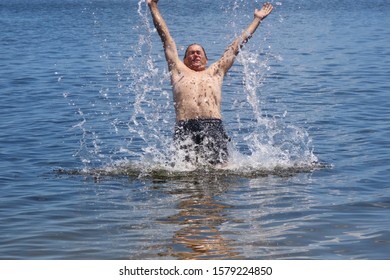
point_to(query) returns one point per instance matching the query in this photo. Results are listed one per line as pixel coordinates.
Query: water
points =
(87, 119)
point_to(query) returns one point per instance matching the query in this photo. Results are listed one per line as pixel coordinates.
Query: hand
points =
(152, 1)
(264, 12)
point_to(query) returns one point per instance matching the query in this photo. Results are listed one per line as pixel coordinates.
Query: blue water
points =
(85, 90)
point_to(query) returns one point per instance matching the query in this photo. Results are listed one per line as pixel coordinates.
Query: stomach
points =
(196, 110)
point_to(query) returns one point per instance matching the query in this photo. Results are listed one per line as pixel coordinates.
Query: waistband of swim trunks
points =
(198, 121)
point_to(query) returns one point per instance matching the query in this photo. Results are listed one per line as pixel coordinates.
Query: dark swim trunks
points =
(202, 140)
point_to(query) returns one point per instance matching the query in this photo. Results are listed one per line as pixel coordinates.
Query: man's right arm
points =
(169, 44)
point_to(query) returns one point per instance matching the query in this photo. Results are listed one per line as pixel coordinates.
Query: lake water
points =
(87, 117)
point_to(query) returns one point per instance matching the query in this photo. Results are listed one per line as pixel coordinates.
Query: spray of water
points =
(145, 145)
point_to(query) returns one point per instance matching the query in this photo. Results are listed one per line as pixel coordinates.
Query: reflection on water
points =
(206, 214)
(200, 217)
(210, 214)
(231, 218)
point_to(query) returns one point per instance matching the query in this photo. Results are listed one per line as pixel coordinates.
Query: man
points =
(197, 91)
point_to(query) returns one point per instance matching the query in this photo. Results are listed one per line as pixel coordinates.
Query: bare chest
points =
(201, 85)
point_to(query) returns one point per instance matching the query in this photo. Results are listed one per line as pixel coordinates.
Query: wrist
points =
(259, 19)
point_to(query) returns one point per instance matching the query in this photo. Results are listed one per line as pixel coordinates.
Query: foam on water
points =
(143, 140)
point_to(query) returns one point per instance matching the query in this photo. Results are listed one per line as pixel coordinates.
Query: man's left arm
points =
(227, 59)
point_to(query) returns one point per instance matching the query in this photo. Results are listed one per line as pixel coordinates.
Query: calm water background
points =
(84, 84)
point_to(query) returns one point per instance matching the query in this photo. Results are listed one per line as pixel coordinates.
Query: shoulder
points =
(175, 65)
(216, 69)
(225, 62)
(179, 70)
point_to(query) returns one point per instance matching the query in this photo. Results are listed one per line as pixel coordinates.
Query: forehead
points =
(195, 48)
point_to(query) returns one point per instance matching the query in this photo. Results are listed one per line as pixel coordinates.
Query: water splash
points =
(140, 115)
(264, 141)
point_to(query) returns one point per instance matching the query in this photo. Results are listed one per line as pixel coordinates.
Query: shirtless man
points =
(197, 91)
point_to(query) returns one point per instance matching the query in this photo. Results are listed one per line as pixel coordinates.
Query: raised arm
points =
(169, 44)
(227, 59)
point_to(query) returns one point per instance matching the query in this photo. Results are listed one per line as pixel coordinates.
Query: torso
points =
(197, 95)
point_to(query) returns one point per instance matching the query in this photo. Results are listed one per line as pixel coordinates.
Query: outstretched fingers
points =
(265, 11)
